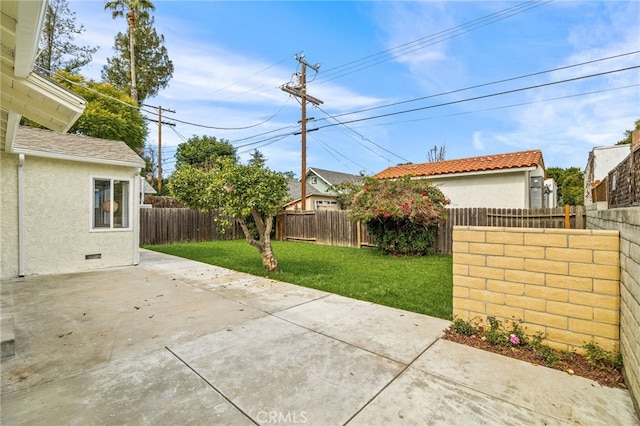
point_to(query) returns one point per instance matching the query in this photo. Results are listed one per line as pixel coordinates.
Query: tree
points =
(110, 113)
(142, 63)
(627, 134)
(437, 154)
(570, 182)
(239, 191)
(134, 10)
(257, 158)
(57, 49)
(203, 151)
(401, 215)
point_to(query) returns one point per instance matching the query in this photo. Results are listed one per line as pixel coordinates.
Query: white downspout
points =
(137, 180)
(21, 243)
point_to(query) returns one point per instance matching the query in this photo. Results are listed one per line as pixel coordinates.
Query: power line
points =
(510, 106)
(364, 138)
(234, 128)
(537, 86)
(488, 84)
(251, 75)
(421, 43)
(328, 148)
(537, 73)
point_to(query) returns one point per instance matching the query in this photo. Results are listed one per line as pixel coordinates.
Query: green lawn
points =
(417, 284)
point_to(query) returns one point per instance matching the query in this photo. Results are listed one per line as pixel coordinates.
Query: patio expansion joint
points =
(474, 389)
(212, 386)
(393, 379)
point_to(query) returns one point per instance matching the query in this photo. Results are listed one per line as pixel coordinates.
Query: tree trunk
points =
(269, 261)
(132, 41)
(263, 245)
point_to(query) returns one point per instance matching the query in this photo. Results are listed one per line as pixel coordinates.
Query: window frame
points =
(128, 214)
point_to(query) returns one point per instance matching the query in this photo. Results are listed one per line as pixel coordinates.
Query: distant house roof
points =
(295, 191)
(148, 189)
(514, 160)
(68, 146)
(334, 178)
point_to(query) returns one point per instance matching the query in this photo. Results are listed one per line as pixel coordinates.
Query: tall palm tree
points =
(132, 8)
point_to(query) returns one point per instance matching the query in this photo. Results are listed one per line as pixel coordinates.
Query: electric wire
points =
(475, 98)
(234, 128)
(329, 150)
(251, 75)
(477, 86)
(142, 109)
(363, 137)
(410, 47)
(594, 92)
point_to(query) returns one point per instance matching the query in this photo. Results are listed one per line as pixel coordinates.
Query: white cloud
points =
(478, 143)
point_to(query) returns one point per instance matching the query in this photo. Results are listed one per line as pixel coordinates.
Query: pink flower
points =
(514, 339)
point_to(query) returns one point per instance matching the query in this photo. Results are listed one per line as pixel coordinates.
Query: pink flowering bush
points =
(402, 215)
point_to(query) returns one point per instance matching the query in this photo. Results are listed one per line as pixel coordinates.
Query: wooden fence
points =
(334, 228)
(178, 225)
(326, 227)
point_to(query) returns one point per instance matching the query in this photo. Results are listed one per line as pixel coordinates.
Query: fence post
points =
(567, 217)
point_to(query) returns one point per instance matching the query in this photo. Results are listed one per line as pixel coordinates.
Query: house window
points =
(110, 204)
(314, 180)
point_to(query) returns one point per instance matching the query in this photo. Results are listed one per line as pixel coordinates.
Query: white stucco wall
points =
(606, 158)
(8, 215)
(58, 199)
(494, 189)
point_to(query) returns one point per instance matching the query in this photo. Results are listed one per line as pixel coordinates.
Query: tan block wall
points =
(627, 222)
(561, 282)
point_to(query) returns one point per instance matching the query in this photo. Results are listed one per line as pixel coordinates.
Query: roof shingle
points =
(77, 147)
(514, 160)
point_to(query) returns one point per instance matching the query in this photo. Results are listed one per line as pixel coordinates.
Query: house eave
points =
(477, 173)
(66, 157)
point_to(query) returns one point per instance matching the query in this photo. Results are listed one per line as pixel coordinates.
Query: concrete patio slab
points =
(262, 293)
(419, 398)
(70, 323)
(269, 365)
(551, 393)
(173, 341)
(268, 295)
(151, 389)
(393, 333)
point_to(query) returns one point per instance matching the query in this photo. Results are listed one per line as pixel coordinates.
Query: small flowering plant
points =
(514, 340)
(495, 333)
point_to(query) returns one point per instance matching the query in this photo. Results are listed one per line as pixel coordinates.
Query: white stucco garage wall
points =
(494, 190)
(57, 223)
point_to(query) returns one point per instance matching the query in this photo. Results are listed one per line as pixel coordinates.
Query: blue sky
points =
(231, 58)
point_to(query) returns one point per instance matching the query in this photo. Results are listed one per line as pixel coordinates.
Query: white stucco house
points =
(601, 161)
(511, 180)
(67, 203)
(77, 200)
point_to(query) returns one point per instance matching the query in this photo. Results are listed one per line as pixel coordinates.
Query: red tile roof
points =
(514, 160)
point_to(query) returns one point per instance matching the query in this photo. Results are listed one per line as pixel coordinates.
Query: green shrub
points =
(601, 358)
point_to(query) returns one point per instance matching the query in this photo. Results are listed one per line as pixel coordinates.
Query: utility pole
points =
(299, 89)
(160, 123)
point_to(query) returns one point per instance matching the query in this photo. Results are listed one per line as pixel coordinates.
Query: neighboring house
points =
(318, 189)
(77, 201)
(147, 189)
(511, 180)
(601, 161)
